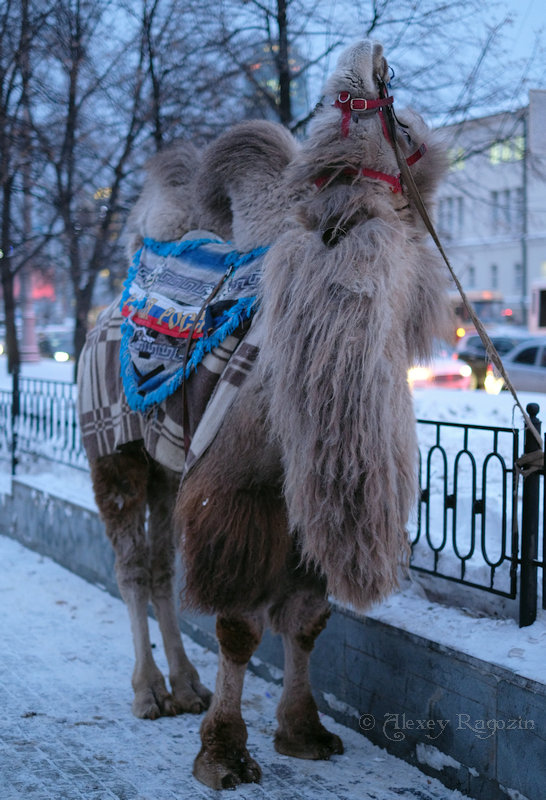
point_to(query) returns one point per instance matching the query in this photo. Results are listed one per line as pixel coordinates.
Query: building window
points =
(451, 216)
(471, 277)
(507, 150)
(507, 210)
(495, 211)
(518, 278)
(456, 159)
(518, 207)
(494, 276)
(460, 215)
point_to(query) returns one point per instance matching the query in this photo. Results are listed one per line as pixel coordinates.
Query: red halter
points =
(350, 105)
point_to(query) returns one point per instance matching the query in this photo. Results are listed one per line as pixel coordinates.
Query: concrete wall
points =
(420, 700)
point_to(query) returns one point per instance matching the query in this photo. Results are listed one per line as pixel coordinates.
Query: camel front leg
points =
(223, 761)
(300, 619)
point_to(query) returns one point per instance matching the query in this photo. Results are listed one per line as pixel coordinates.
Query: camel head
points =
(359, 69)
(349, 153)
(241, 183)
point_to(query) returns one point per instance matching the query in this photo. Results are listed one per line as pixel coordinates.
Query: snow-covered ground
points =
(45, 368)
(66, 728)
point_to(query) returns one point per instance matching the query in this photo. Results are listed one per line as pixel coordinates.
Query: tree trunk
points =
(283, 65)
(8, 289)
(83, 306)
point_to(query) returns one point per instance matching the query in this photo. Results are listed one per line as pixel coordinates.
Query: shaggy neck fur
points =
(344, 324)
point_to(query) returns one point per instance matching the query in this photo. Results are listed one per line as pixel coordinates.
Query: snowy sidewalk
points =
(66, 728)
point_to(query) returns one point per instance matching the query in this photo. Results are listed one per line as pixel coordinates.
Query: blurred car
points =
(58, 345)
(444, 371)
(525, 366)
(472, 351)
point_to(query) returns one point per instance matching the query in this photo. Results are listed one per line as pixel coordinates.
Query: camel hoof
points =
(192, 701)
(315, 745)
(153, 703)
(189, 695)
(226, 773)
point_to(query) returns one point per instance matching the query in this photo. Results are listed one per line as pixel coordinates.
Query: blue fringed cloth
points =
(130, 368)
(166, 287)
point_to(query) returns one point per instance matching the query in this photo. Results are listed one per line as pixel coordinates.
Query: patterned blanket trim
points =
(242, 309)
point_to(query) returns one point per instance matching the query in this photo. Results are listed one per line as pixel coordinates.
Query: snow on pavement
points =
(67, 731)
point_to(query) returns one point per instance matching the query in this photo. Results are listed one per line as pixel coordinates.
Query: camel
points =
(304, 487)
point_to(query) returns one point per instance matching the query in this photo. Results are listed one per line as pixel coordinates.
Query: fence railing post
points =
(529, 530)
(15, 410)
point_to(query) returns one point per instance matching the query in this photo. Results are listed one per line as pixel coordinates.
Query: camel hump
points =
(249, 156)
(166, 208)
(175, 166)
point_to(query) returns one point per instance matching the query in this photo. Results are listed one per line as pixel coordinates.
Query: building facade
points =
(491, 211)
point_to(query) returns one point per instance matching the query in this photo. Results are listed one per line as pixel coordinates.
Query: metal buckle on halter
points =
(344, 99)
(359, 104)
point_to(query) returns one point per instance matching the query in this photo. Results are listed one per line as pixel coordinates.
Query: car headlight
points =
(491, 383)
(419, 374)
(61, 356)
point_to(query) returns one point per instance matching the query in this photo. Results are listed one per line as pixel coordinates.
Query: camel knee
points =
(309, 631)
(119, 483)
(238, 637)
(132, 577)
(301, 617)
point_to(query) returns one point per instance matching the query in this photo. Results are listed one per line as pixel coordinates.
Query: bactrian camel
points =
(305, 488)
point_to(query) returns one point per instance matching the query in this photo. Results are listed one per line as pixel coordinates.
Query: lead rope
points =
(183, 404)
(484, 336)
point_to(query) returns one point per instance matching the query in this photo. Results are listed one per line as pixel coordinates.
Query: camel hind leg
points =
(188, 693)
(121, 485)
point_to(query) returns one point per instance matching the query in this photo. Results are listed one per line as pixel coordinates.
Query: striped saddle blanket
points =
(146, 333)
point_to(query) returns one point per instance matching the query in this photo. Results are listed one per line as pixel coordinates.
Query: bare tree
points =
(447, 52)
(271, 46)
(21, 26)
(94, 85)
(90, 88)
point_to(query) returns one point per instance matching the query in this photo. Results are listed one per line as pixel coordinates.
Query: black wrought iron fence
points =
(46, 425)
(479, 522)
(468, 502)
(478, 517)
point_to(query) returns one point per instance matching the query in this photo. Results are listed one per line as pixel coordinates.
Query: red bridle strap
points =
(419, 153)
(392, 180)
(348, 104)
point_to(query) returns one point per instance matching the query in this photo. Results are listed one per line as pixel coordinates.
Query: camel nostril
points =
(332, 236)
